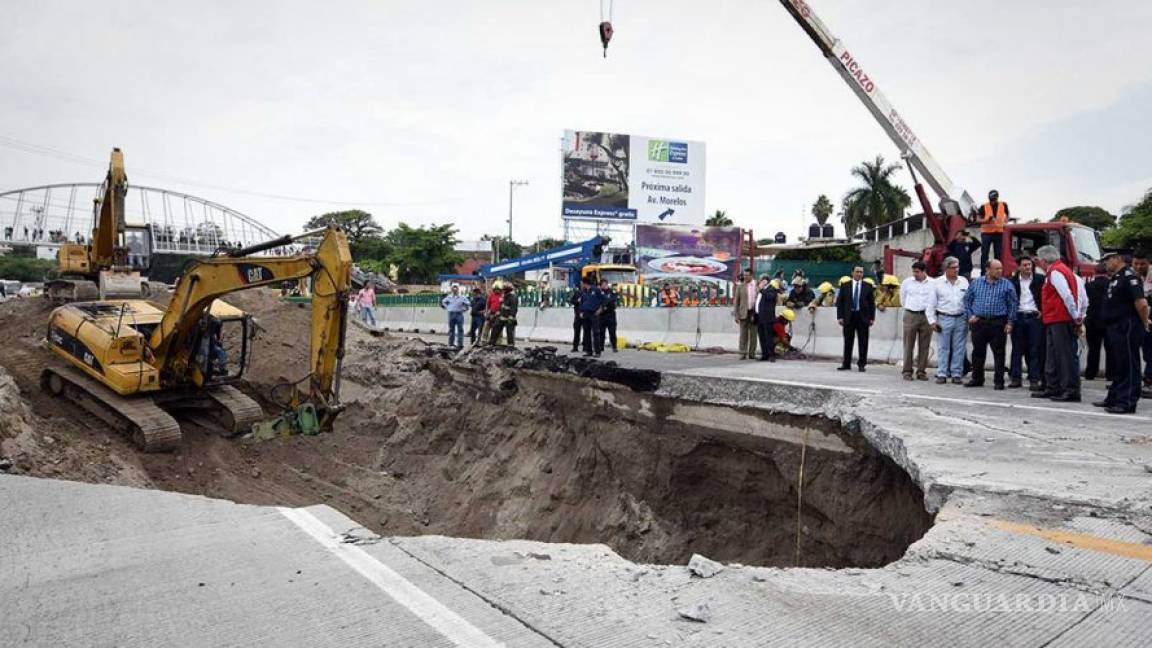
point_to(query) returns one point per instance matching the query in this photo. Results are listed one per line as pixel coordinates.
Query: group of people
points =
(671, 295)
(594, 317)
(493, 315)
(1043, 308)
(38, 234)
(754, 309)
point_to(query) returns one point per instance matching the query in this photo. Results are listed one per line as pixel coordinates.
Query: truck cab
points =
(1079, 245)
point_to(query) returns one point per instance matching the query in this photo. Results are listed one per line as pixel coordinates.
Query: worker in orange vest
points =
(993, 216)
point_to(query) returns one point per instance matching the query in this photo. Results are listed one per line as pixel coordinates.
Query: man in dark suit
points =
(1028, 333)
(856, 311)
(765, 309)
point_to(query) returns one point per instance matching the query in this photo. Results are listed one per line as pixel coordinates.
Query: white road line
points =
(429, 610)
(864, 390)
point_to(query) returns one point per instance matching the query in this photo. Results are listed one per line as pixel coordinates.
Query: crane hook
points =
(605, 35)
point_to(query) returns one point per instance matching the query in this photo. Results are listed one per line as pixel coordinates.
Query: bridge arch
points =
(52, 214)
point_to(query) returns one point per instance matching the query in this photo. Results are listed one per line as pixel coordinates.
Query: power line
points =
(48, 151)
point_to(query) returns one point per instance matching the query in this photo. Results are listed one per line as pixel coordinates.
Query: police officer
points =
(608, 314)
(1126, 319)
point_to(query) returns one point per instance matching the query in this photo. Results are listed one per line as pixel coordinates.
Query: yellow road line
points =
(1135, 550)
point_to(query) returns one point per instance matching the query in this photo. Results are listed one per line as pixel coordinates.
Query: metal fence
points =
(630, 297)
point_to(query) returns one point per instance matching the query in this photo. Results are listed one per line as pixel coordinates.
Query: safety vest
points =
(994, 223)
(1053, 310)
(669, 297)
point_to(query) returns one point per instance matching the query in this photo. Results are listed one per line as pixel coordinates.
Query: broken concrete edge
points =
(850, 408)
(827, 402)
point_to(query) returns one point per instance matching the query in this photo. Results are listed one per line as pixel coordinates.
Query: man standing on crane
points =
(993, 217)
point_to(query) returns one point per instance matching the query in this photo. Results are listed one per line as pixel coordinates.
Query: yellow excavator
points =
(135, 364)
(109, 264)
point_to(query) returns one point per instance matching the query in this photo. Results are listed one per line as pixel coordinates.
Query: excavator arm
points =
(330, 268)
(110, 217)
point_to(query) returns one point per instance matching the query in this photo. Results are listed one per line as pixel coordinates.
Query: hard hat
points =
(890, 280)
(776, 283)
(870, 281)
(789, 314)
(825, 287)
(497, 285)
(845, 279)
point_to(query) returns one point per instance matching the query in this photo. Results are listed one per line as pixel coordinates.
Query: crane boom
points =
(954, 201)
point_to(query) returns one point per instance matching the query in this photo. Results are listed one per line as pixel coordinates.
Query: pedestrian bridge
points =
(50, 215)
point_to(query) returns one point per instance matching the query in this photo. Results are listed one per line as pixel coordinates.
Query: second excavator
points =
(135, 363)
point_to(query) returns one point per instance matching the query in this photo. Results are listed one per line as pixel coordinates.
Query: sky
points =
(422, 112)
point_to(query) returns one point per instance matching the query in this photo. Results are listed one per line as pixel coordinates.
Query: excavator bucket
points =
(300, 420)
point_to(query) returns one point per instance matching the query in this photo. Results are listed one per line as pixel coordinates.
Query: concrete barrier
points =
(817, 335)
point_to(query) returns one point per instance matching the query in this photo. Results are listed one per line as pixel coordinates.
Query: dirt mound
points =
(501, 443)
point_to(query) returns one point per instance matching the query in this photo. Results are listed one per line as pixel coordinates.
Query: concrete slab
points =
(1043, 537)
(103, 565)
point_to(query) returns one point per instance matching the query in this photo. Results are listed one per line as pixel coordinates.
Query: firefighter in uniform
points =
(889, 293)
(1126, 322)
(825, 296)
(505, 320)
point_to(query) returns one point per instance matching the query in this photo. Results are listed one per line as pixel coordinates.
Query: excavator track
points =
(236, 412)
(149, 427)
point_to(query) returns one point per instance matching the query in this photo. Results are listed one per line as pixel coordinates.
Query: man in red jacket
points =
(1060, 299)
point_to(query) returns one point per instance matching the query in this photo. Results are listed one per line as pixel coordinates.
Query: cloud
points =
(433, 107)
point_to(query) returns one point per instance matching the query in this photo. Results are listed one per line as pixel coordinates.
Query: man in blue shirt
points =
(591, 305)
(990, 305)
(456, 305)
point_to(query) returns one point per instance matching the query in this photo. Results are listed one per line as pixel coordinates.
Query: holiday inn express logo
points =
(666, 151)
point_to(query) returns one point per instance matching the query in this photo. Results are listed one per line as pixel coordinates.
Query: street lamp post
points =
(512, 184)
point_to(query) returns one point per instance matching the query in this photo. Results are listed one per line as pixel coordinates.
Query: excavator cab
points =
(220, 346)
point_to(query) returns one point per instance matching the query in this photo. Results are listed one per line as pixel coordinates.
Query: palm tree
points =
(822, 209)
(719, 219)
(877, 201)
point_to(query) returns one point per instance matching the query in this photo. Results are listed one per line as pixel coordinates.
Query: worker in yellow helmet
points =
(889, 293)
(782, 331)
(825, 296)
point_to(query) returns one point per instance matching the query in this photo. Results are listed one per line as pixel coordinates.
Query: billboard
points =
(669, 252)
(613, 176)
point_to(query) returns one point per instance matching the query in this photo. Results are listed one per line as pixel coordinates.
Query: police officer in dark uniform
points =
(608, 314)
(1126, 319)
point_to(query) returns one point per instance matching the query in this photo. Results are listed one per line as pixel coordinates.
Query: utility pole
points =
(512, 184)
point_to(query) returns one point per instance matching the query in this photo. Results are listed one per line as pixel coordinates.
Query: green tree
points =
(822, 209)
(1097, 218)
(505, 249)
(357, 224)
(371, 249)
(547, 244)
(420, 254)
(26, 269)
(877, 200)
(840, 253)
(719, 219)
(1134, 230)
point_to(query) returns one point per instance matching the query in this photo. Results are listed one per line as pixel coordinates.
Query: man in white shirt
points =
(915, 295)
(945, 313)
